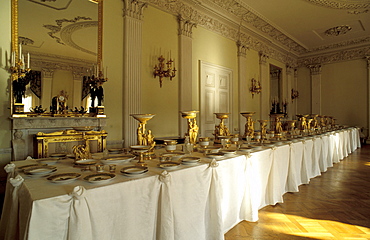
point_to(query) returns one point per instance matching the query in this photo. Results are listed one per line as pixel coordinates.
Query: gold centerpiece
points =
(144, 137)
(249, 126)
(302, 122)
(221, 129)
(192, 125)
(82, 151)
(277, 124)
(263, 126)
(140, 149)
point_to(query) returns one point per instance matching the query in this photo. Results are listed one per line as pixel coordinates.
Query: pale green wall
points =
(160, 37)
(344, 92)
(113, 58)
(253, 104)
(304, 89)
(213, 48)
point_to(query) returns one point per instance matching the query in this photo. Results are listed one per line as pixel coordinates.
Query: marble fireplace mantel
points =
(25, 128)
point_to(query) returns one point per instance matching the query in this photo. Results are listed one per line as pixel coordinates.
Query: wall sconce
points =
(256, 87)
(161, 72)
(295, 94)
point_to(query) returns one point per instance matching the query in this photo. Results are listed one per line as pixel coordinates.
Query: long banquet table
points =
(201, 201)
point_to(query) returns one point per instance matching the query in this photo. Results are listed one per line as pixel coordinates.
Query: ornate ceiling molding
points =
(342, 44)
(338, 30)
(214, 25)
(67, 31)
(342, 4)
(345, 55)
(55, 29)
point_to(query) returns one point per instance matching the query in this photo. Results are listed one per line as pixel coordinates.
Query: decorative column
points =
(47, 80)
(368, 97)
(133, 14)
(185, 68)
(315, 88)
(288, 89)
(265, 84)
(77, 90)
(243, 82)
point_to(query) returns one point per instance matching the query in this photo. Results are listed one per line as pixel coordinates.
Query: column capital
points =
(263, 57)
(289, 69)
(47, 72)
(242, 49)
(134, 8)
(315, 69)
(185, 26)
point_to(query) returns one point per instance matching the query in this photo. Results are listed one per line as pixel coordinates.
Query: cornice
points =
(227, 26)
(341, 4)
(338, 56)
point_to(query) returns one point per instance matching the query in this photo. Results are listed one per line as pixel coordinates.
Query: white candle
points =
(20, 51)
(28, 60)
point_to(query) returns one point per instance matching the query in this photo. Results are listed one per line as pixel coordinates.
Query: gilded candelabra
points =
(249, 126)
(161, 72)
(192, 125)
(221, 129)
(256, 87)
(19, 76)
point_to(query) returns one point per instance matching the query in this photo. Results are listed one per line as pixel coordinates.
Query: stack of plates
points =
(64, 177)
(227, 152)
(168, 165)
(100, 177)
(174, 155)
(190, 160)
(39, 170)
(115, 150)
(134, 171)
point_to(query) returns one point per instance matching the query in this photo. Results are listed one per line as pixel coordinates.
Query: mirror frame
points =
(14, 39)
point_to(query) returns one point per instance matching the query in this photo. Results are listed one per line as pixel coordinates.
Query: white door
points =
(215, 89)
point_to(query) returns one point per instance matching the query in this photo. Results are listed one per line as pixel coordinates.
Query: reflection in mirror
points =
(62, 40)
(275, 82)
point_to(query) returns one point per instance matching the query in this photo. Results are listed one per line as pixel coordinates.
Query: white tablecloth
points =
(192, 202)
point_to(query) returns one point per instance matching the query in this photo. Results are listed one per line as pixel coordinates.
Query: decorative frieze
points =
(134, 8)
(345, 55)
(342, 4)
(186, 26)
(56, 122)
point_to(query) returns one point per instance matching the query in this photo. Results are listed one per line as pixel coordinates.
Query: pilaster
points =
(265, 84)
(46, 88)
(133, 14)
(288, 89)
(315, 70)
(185, 32)
(243, 83)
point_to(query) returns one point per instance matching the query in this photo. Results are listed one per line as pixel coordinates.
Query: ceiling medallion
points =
(338, 30)
(342, 4)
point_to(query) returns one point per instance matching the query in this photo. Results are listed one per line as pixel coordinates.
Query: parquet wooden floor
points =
(335, 205)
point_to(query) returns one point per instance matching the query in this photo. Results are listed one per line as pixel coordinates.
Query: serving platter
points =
(64, 178)
(190, 160)
(134, 170)
(118, 159)
(168, 165)
(40, 170)
(100, 177)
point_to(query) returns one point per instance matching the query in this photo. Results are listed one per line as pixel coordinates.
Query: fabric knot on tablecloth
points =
(9, 167)
(303, 141)
(78, 192)
(248, 155)
(17, 181)
(165, 177)
(273, 148)
(213, 163)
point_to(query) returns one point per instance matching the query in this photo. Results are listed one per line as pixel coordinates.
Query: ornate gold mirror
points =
(59, 42)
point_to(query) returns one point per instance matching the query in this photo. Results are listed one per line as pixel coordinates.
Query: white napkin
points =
(17, 181)
(9, 168)
(29, 158)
